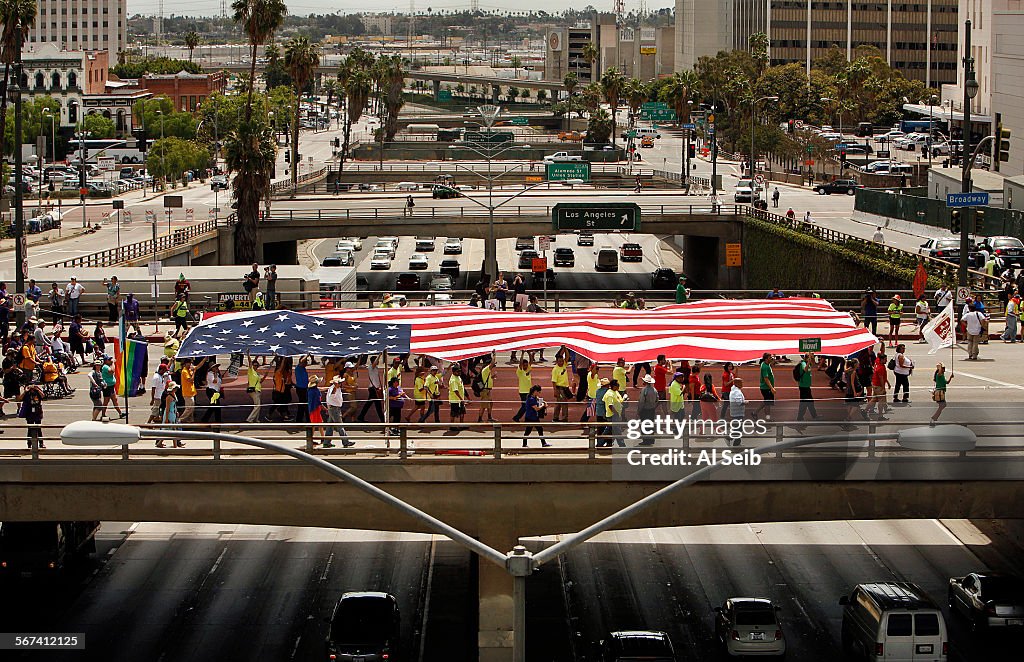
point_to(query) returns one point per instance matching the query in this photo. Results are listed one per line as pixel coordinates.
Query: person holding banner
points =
(939, 394)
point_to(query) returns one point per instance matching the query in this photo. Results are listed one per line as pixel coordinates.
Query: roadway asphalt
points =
(160, 591)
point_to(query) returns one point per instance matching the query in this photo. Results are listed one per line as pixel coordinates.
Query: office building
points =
(82, 25)
(645, 52)
(1007, 85)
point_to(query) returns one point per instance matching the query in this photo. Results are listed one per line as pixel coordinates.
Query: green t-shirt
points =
(895, 311)
(805, 375)
(767, 376)
(940, 382)
(675, 396)
(681, 293)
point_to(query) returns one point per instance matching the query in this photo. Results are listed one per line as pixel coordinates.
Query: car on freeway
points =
(570, 136)
(418, 261)
(892, 621)
(444, 188)
(369, 187)
(647, 141)
(564, 257)
(631, 252)
(664, 279)
(407, 282)
(441, 282)
(381, 259)
(743, 194)
(453, 246)
(606, 259)
(847, 186)
(539, 278)
(425, 243)
(345, 245)
(562, 157)
(629, 645)
(1009, 249)
(385, 246)
(450, 268)
(948, 249)
(524, 243)
(988, 600)
(365, 626)
(749, 626)
(338, 259)
(357, 242)
(219, 183)
(526, 258)
(392, 239)
(407, 186)
(585, 239)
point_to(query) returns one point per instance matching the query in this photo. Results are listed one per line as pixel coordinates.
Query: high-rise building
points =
(918, 39)
(82, 25)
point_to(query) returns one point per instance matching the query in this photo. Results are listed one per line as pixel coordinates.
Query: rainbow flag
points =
(130, 365)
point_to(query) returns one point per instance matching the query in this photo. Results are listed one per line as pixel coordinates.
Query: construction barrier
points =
(126, 217)
(190, 214)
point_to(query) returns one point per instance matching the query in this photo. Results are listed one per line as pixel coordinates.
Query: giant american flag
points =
(709, 330)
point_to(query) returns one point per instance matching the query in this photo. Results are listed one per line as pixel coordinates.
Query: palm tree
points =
(393, 80)
(302, 59)
(330, 88)
(191, 41)
(516, 63)
(612, 83)
(249, 151)
(259, 19)
(636, 94)
(679, 93)
(571, 81)
(18, 17)
(590, 54)
(357, 94)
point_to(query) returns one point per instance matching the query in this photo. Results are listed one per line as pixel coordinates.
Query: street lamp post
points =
(753, 110)
(518, 562)
(20, 240)
(970, 91)
(931, 127)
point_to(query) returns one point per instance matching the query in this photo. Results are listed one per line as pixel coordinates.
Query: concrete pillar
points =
(437, 89)
(495, 93)
(494, 588)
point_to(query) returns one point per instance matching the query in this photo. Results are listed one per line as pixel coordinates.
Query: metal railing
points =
(398, 214)
(143, 249)
(451, 166)
(285, 186)
(493, 441)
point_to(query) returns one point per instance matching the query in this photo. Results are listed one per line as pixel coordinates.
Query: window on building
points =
(39, 79)
(55, 80)
(72, 79)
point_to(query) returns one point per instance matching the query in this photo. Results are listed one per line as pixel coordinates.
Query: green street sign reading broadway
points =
(607, 216)
(561, 172)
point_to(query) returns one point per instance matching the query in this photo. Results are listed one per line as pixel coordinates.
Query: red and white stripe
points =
(712, 330)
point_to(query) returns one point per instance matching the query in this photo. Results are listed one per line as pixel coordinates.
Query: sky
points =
(303, 7)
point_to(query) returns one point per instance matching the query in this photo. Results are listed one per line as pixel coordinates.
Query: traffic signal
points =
(141, 139)
(977, 221)
(1004, 145)
(287, 156)
(691, 151)
(792, 126)
(842, 157)
(954, 221)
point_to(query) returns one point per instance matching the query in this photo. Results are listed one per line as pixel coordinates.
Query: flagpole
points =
(125, 374)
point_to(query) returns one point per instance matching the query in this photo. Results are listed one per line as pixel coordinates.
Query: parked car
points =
(523, 243)
(407, 282)
(664, 279)
(585, 239)
(453, 246)
(564, 257)
(526, 258)
(890, 136)
(948, 249)
(450, 268)
(858, 148)
(1009, 249)
(847, 186)
(630, 252)
(630, 645)
(892, 621)
(425, 243)
(749, 626)
(988, 600)
(365, 626)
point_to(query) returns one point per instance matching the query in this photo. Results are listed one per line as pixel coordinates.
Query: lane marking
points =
(216, 564)
(426, 598)
(990, 380)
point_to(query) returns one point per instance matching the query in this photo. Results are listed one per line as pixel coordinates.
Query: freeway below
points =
(223, 592)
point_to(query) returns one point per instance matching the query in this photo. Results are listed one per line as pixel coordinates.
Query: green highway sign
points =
(653, 104)
(602, 216)
(444, 95)
(561, 172)
(520, 121)
(810, 344)
(666, 114)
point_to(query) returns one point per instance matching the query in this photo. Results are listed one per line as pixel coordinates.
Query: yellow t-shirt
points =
(486, 377)
(432, 384)
(675, 396)
(560, 376)
(612, 403)
(619, 375)
(255, 381)
(394, 372)
(188, 382)
(419, 391)
(593, 383)
(456, 390)
(525, 379)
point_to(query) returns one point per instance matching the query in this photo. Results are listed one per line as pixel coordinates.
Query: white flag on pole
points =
(941, 331)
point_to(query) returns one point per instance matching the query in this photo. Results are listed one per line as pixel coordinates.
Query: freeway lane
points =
(670, 579)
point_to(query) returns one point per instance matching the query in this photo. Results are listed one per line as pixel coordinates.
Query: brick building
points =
(186, 90)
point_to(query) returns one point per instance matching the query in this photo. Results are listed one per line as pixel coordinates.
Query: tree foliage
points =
(137, 67)
(171, 157)
(159, 114)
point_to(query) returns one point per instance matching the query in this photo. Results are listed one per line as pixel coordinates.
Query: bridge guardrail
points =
(143, 249)
(497, 441)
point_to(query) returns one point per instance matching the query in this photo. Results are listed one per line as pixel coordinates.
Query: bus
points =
(122, 151)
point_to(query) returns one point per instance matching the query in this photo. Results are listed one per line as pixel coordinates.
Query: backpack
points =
(798, 373)
(477, 385)
(891, 365)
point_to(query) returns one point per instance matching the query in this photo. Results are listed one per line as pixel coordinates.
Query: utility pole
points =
(20, 241)
(970, 91)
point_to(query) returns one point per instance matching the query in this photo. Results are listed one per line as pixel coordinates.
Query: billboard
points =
(555, 41)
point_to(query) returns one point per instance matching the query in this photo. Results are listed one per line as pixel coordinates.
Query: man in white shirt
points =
(157, 385)
(878, 237)
(943, 297)
(73, 292)
(975, 322)
(335, 400)
(737, 409)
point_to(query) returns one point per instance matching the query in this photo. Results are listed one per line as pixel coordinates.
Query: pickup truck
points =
(44, 547)
(570, 136)
(561, 157)
(631, 253)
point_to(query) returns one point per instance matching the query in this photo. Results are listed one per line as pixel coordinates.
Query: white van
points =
(644, 131)
(893, 622)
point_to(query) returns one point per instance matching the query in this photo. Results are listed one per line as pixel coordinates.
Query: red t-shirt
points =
(660, 377)
(879, 374)
(727, 378)
(696, 386)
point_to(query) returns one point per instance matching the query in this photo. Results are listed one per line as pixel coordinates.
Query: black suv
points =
(637, 645)
(847, 186)
(365, 626)
(564, 257)
(664, 279)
